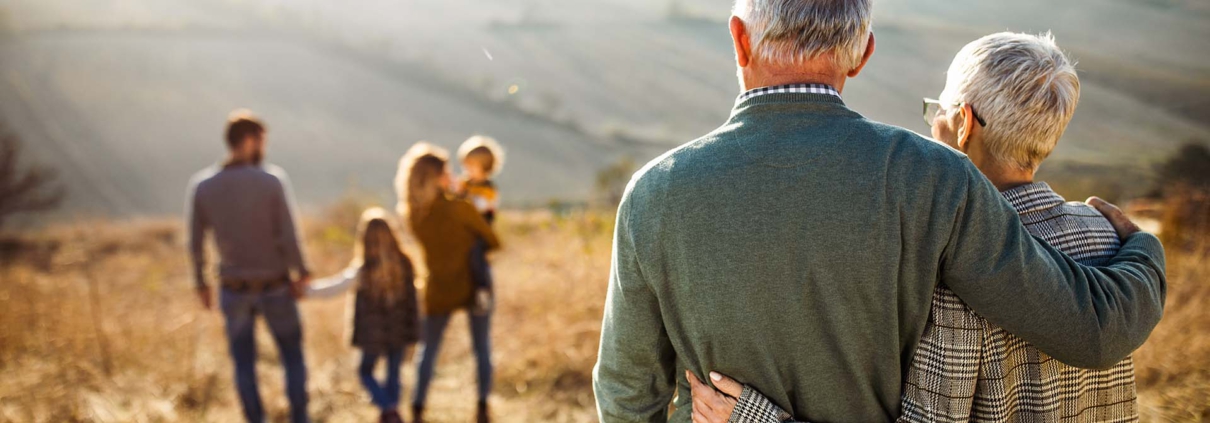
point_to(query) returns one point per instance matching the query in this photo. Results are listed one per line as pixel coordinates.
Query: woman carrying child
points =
(384, 307)
(447, 229)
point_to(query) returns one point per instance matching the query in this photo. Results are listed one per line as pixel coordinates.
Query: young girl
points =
(385, 314)
(447, 230)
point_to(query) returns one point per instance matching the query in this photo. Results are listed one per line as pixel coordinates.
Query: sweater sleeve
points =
(753, 407)
(288, 228)
(1083, 316)
(333, 285)
(634, 375)
(198, 227)
(478, 225)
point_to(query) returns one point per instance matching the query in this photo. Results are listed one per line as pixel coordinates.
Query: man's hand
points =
(709, 405)
(203, 294)
(298, 289)
(1117, 218)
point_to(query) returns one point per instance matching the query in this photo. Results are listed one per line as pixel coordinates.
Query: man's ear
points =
(865, 57)
(966, 116)
(743, 45)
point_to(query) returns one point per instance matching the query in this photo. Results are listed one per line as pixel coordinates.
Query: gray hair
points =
(791, 32)
(1023, 86)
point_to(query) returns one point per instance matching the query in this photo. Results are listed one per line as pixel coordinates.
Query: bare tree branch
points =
(32, 189)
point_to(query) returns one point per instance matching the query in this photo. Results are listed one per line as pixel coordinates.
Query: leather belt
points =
(245, 286)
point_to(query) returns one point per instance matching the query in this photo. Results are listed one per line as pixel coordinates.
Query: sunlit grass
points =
(100, 323)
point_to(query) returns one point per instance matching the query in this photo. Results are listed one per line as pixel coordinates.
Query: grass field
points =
(100, 324)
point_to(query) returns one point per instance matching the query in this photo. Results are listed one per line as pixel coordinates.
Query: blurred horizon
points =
(127, 98)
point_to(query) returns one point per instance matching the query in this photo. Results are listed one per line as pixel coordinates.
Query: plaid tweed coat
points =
(966, 369)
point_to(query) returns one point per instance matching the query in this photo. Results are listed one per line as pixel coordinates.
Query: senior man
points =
(966, 368)
(798, 247)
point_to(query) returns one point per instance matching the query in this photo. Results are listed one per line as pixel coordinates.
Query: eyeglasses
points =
(933, 106)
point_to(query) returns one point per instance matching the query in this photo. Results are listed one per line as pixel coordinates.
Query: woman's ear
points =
(966, 117)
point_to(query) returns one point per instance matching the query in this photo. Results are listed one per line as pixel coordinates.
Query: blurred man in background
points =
(247, 207)
(798, 246)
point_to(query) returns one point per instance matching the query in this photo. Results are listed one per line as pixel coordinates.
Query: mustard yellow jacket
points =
(447, 233)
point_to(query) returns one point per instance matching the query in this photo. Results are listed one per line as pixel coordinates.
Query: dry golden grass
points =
(99, 323)
(1173, 367)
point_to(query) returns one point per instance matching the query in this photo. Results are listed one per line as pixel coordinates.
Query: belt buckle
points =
(234, 285)
(242, 286)
(254, 287)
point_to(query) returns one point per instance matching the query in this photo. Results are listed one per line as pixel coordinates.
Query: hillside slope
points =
(128, 97)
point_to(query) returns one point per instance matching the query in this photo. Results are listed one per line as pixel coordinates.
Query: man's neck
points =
(235, 160)
(757, 77)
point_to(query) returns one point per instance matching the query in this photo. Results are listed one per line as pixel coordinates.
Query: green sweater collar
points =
(824, 100)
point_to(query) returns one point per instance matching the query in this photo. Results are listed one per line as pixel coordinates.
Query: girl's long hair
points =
(418, 182)
(383, 268)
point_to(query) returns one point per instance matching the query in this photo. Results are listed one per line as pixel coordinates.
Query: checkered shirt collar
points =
(1033, 197)
(789, 88)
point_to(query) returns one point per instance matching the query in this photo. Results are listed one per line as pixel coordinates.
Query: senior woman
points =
(1007, 100)
(447, 229)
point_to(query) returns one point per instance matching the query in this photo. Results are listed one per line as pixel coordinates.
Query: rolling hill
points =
(128, 98)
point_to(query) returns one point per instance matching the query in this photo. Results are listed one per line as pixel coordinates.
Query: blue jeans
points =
(434, 330)
(281, 313)
(481, 270)
(386, 395)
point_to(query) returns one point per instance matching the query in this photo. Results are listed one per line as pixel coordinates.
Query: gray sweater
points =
(797, 247)
(248, 209)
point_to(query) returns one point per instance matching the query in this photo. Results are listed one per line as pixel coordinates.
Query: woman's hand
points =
(1121, 223)
(709, 405)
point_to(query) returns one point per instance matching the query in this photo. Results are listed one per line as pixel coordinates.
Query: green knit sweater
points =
(796, 248)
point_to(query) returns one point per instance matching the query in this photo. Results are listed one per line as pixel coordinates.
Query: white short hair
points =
(1023, 86)
(791, 32)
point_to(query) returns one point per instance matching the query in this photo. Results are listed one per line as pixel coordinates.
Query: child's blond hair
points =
(485, 150)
